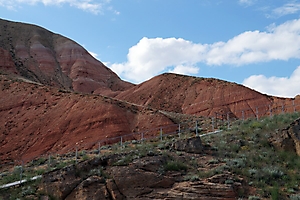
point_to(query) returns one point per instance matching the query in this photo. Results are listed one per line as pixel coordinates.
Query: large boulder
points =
(90, 189)
(190, 145)
(289, 138)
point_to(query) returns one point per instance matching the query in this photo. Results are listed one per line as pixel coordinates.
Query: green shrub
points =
(275, 195)
(175, 166)
(125, 160)
(253, 198)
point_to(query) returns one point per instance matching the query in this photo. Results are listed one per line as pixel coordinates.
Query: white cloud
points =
(94, 55)
(181, 69)
(277, 86)
(151, 56)
(247, 2)
(289, 8)
(93, 6)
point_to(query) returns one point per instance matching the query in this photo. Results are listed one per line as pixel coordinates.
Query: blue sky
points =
(251, 42)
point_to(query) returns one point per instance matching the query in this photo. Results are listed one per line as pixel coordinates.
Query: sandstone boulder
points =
(93, 188)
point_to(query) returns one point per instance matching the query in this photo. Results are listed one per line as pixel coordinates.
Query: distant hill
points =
(51, 59)
(205, 97)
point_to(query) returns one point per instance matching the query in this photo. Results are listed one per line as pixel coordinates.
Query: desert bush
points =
(213, 161)
(295, 197)
(125, 160)
(247, 151)
(175, 165)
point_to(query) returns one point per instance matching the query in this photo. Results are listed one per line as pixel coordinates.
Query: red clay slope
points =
(205, 97)
(51, 59)
(37, 119)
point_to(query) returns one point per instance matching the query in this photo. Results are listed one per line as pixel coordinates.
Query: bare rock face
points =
(139, 182)
(51, 59)
(92, 188)
(289, 138)
(190, 145)
(199, 190)
(141, 179)
(76, 182)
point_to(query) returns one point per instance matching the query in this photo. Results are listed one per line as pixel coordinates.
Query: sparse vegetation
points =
(244, 150)
(248, 152)
(175, 165)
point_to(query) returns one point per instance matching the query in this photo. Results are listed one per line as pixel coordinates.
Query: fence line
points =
(211, 124)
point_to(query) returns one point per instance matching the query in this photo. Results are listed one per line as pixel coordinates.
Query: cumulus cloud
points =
(289, 8)
(151, 56)
(92, 6)
(277, 86)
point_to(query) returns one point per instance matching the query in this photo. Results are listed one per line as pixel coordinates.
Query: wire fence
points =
(197, 125)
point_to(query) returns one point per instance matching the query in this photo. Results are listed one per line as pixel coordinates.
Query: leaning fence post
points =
(160, 134)
(228, 121)
(216, 121)
(197, 134)
(294, 105)
(121, 141)
(76, 155)
(243, 115)
(49, 160)
(212, 124)
(21, 171)
(99, 148)
(257, 113)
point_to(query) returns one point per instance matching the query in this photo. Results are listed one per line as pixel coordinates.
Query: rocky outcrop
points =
(288, 139)
(92, 188)
(200, 190)
(190, 145)
(142, 178)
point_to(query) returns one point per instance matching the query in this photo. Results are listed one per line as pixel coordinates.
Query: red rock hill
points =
(46, 105)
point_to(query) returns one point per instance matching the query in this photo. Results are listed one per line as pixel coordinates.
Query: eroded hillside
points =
(37, 119)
